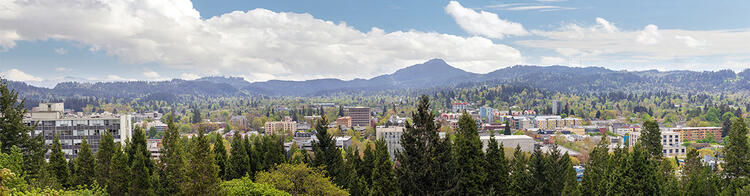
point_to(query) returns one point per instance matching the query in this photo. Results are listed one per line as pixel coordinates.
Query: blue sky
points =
(51, 41)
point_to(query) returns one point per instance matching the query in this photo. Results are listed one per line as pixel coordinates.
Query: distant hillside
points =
(433, 73)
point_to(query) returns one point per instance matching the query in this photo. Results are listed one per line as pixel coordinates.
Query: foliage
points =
(299, 180)
(246, 187)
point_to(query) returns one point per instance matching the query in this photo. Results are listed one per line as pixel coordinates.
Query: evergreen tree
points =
(468, 149)
(119, 177)
(327, 155)
(383, 177)
(507, 129)
(497, 168)
(58, 166)
(84, 165)
(643, 173)
(355, 182)
(196, 115)
(34, 163)
(651, 139)
(539, 170)
(221, 155)
(570, 181)
(736, 164)
(13, 132)
(273, 151)
(238, 159)
(425, 156)
(520, 178)
(203, 175)
(595, 177)
(172, 168)
(726, 125)
(104, 158)
(666, 178)
(137, 145)
(697, 177)
(368, 162)
(140, 174)
(254, 155)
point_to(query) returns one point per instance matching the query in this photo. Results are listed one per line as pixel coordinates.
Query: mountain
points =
(433, 73)
(236, 82)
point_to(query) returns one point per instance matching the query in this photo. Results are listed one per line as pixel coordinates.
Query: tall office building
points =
(50, 120)
(360, 116)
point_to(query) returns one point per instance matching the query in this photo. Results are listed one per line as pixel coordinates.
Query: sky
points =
(50, 41)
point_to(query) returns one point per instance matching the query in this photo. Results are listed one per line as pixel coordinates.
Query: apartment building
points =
(51, 121)
(279, 127)
(697, 133)
(554, 122)
(392, 137)
(671, 142)
(360, 116)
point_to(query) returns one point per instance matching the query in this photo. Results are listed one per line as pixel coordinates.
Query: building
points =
(157, 125)
(689, 134)
(511, 141)
(487, 114)
(344, 122)
(521, 123)
(239, 121)
(277, 127)
(392, 137)
(556, 107)
(50, 121)
(154, 146)
(670, 141)
(460, 106)
(360, 116)
(555, 122)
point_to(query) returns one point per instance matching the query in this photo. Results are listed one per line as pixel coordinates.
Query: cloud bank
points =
(259, 44)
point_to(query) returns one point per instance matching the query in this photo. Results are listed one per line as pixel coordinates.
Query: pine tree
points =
(238, 159)
(468, 149)
(736, 164)
(355, 182)
(119, 178)
(221, 155)
(172, 170)
(203, 175)
(137, 145)
(57, 163)
(643, 173)
(13, 132)
(520, 178)
(571, 185)
(383, 177)
(140, 174)
(666, 178)
(273, 151)
(497, 168)
(697, 177)
(651, 139)
(327, 155)
(424, 155)
(34, 163)
(254, 152)
(104, 158)
(595, 177)
(539, 168)
(368, 163)
(84, 165)
(507, 129)
(196, 115)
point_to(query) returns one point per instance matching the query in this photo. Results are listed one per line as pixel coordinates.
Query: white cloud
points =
(63, 69)
(189, 76)
(483, 23)
(691, 42)
(606, 25)
(646, 48)
(257, 43)
(528, 7)
(61, 51)
(649, 35)
(151, 74)
(18, 75)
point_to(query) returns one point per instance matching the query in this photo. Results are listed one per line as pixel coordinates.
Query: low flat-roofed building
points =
(511, 141)
(698, 133)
